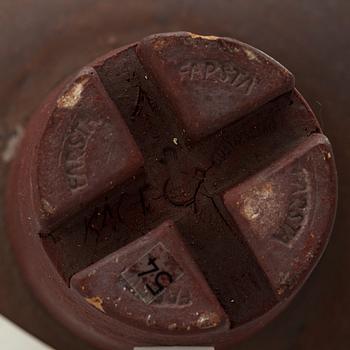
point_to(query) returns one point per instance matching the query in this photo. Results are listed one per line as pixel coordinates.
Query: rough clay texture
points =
(182, 198)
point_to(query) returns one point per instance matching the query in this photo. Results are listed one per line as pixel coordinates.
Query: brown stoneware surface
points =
(105, 163)
(311, 39)
(154, 282)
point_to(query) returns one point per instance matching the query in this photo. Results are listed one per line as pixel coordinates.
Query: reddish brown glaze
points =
(193, 157)
(84, 134)
(282, 212)
(212, 81)
(155, 282)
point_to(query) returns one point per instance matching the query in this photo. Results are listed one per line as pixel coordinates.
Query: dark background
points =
(43, 41)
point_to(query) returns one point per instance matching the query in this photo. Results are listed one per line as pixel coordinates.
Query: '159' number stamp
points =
(151, 275)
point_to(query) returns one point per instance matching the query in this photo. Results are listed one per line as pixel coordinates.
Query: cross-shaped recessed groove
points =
(186, 171)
